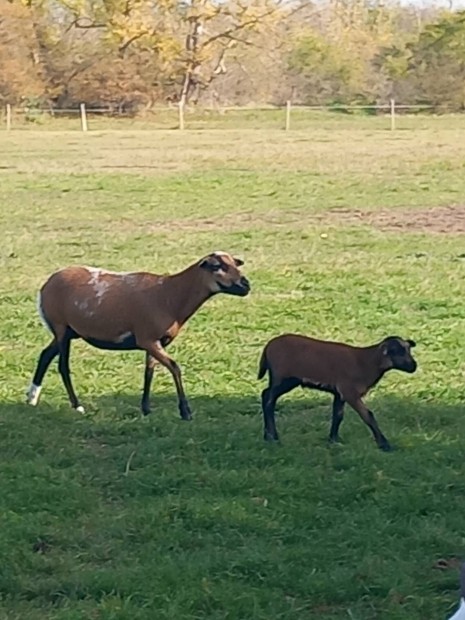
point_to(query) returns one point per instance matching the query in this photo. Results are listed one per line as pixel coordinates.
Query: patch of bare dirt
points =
(446, 220)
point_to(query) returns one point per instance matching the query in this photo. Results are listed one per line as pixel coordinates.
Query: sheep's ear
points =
(412, 343)
(238, 262)
(210, 263)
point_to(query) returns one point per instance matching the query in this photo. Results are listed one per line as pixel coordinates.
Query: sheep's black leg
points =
(269, 397)
(45, 359)
(369, 419)
(270, 432)
(338, 416)
(150, 363)
(63, 367)
(157, 351)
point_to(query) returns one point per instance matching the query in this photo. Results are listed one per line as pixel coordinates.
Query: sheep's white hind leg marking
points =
(33, 394)
(45, 359)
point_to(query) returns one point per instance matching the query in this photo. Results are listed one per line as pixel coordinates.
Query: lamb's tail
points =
(263, 365)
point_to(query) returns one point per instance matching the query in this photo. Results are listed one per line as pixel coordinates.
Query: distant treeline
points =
(131, 54)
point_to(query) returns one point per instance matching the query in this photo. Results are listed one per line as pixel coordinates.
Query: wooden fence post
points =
(83, 117)
(393, 114)
(181, 114)
(288, 115)
(8, 117)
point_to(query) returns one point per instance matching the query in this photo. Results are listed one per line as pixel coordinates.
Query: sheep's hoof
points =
(145, 409)
(335, 440)
(386, 447)
(270, 437)
(33, 394)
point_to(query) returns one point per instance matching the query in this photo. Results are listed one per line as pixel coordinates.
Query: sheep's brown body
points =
(345, 371)
(128, 311)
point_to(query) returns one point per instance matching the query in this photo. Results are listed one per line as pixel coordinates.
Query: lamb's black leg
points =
(369, 419)
(338, 416)
(269, 397)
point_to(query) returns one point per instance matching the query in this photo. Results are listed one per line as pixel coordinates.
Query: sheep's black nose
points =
(245, 283)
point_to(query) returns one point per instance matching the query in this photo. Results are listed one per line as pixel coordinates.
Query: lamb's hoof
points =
(334, 441)
(270, 437)
(80, 409)
(185, 412)
(386, 447)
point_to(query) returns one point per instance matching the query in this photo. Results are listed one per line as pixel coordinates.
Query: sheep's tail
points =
(263, 365)
(41, 312)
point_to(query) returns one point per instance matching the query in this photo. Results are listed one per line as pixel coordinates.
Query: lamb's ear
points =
(210, 263)
(238, 262)
(412, 343)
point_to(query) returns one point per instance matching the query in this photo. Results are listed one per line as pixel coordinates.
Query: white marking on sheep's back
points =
(33, 394)
(101, 286)
(97, 271)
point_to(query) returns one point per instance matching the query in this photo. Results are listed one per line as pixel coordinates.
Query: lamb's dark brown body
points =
(127, 311)
(345, 371)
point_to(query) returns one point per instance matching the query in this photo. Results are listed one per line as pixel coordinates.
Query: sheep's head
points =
(223, 274)
(397, 354)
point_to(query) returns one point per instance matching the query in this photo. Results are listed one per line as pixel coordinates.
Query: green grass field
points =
(108, 516)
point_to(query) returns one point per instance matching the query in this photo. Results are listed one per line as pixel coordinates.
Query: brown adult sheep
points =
(128, 311)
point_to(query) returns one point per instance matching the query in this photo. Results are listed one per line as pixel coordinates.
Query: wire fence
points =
(390, 116)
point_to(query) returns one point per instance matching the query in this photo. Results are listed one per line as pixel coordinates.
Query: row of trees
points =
(132, 54)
